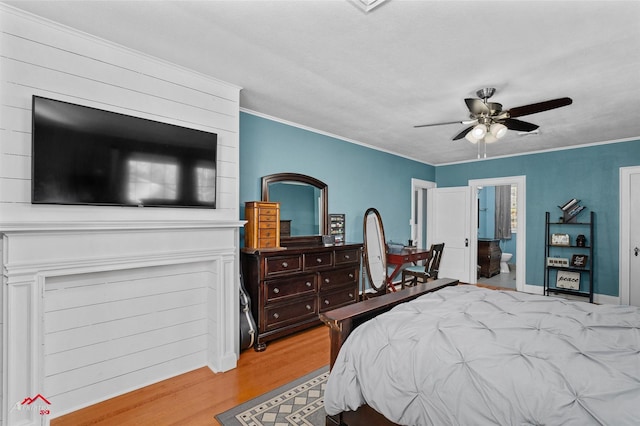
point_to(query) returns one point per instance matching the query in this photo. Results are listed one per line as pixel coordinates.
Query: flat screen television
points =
(88, 156)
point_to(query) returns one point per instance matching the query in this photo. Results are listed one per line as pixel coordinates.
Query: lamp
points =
(479, 131)
(498, 130)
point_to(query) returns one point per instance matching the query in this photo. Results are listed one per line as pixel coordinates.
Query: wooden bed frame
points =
(343, 321)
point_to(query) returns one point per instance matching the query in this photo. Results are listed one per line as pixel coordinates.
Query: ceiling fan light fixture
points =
(498, 130)
(469, 136)
(479, 131)
(489, 138)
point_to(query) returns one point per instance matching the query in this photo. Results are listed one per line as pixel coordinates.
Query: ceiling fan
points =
(488, 122)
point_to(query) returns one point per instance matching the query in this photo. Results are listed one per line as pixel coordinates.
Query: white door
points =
(629, 235)
(449, 221)
(634, 238)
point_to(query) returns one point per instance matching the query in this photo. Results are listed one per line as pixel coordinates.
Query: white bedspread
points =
(469, 356)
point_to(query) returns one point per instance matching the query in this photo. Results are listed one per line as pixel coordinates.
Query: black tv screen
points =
(84, 155)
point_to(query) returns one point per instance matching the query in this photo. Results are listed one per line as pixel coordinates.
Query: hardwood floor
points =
(196, 397)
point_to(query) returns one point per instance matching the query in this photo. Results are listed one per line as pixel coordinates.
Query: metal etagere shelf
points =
(569, 275)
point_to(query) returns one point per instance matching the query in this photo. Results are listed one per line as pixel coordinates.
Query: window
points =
(206, 184)
(152, 180)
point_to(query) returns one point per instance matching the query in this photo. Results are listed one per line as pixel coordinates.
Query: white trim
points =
(624, 286)
(331, 135)
(473, 160)
(542, 151)
(521, 247)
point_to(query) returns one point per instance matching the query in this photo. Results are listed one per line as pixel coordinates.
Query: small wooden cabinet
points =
(290, 287)
(263, 224)
(489, 255)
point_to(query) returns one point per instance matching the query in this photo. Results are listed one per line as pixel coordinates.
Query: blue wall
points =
(590, 174)
(358, 177)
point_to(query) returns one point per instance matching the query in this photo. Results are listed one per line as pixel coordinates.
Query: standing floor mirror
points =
(375, 252)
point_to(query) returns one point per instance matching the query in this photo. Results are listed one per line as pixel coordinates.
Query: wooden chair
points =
(422, 273)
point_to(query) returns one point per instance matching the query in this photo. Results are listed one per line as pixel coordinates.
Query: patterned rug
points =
(300, 402)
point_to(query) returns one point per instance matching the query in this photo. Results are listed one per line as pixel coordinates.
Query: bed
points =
(464, 355)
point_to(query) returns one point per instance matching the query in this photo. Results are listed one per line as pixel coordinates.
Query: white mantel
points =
(36, 253)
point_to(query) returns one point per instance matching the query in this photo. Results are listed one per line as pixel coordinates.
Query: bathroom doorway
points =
(511, 275)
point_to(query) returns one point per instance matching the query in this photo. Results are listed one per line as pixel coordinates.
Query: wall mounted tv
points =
(84, 155)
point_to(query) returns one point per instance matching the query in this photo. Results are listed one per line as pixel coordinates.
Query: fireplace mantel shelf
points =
(38, 227)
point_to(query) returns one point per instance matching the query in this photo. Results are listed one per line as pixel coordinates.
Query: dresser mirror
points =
(303, 205)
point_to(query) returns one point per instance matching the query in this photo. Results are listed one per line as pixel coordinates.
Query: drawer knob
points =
(308, 284)
(276, 315)
(285, 265)
(346, 256)
(327, 280)
(350, 295)
(350, 275)
(326, 302)
(276, 290)
(319, 260)
(308, 307)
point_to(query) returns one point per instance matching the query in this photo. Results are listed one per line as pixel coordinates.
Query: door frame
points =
(418, 213)
(624, 251)
(521, 250)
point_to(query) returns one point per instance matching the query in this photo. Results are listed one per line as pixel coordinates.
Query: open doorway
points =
(513, 274)
(418, 219)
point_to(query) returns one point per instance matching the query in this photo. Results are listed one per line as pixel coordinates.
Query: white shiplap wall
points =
(108, 329)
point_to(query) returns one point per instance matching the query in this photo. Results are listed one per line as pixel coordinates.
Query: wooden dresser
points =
(489, 255)
(263, 224)
(291, 286)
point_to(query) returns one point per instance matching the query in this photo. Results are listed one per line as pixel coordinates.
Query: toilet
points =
(504, 259)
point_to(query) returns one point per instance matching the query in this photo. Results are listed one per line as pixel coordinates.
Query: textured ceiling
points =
(370, 77)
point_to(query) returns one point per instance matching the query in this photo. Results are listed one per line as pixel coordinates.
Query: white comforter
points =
(469, 356)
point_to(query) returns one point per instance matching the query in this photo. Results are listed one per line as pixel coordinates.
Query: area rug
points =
(300, 402)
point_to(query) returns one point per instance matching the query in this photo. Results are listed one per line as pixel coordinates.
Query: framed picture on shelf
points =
(560, 239)
(569, 280)
(579, 260)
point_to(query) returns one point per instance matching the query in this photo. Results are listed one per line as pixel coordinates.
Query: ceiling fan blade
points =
(448, 122)
(539, 107)
(463, 133)
(439, 124)
(476, 106)
(519, 125)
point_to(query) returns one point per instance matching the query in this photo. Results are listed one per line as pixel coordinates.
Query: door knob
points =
(636, 250)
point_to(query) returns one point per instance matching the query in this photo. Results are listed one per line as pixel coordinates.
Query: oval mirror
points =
(375, 250)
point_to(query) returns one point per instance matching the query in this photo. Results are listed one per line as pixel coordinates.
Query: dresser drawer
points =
(268, 213)
(266, 225)
(346, 256)
(267, 242)
(283, 288)
(282, 264)
(266, 233)
(318, 260)
(338, 277)
(336, 298)
(285, 314)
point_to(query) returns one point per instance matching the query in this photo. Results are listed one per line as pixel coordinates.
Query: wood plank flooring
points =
(196, 397)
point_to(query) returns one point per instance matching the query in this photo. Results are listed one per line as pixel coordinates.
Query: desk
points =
(406, 255)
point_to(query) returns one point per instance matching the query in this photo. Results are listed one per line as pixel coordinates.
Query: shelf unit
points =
(566, 251)
(336, 226)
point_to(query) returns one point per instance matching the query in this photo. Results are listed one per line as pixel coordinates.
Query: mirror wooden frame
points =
(324, 209)
(374, 251)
